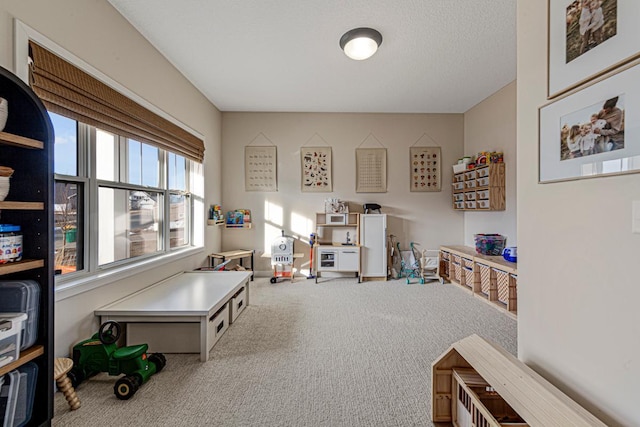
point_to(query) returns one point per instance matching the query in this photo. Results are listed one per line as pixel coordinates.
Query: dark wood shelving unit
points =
(26, 145)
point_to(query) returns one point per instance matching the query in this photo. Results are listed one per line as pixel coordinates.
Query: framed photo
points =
(371, 170)
(260, 168)
(593, 132)
(316, 169)
(424, 169)
(588, 38)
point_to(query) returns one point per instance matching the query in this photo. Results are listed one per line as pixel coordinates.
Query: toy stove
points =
(282, 257)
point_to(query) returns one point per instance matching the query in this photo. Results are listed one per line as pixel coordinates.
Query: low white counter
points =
(196, 297)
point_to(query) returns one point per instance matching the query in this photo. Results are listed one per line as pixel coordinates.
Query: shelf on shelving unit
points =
(20, 141)
(25, 206)
(17, 266)
(25, 356)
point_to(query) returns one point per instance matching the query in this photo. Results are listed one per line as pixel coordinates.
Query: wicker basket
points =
(502, 281)
(485, 278)
(468, 277)
(457, 272)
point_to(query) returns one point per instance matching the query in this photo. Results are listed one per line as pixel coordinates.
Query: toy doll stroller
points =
(416, 264)
(409, 264)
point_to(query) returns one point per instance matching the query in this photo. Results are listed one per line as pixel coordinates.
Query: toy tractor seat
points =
(126, 353)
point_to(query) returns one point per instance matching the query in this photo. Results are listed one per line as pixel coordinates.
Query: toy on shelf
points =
(100, 353)
(240, 218)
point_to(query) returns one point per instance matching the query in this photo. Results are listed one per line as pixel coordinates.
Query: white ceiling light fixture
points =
(360, 43)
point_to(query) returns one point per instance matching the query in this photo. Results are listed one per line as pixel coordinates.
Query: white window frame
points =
(95, 276)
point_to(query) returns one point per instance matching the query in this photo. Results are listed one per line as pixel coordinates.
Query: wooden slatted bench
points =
(534, 399)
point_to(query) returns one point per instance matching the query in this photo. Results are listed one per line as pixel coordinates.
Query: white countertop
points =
(189, 293)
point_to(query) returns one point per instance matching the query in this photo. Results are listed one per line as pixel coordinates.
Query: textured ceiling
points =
(437, 56)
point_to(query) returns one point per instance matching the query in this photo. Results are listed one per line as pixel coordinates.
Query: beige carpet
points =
(336, 353)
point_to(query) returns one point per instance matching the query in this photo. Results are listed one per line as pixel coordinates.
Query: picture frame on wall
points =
(315, 163)
(593, 132)
(424, 169)
(588, 38)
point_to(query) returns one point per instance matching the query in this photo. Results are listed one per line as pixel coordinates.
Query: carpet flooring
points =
(337, 353)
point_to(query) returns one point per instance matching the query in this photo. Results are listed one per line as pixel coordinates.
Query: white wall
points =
(491, 126)
(578, 293)
(96, 33)
(427, 218)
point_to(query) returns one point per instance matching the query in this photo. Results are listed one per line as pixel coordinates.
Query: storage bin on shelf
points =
(11, 325)
(485, 279)
(22, 296)
(17, 390)
(489, 244)
(468, 277)
(502, 283)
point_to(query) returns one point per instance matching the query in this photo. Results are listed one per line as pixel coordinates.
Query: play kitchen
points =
(337, 247)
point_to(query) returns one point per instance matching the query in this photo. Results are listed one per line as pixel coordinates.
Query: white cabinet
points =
(373, 242)
(348, 259)
(339, 259)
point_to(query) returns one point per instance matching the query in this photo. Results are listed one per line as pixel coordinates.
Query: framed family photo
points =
(593, 132)
(588, 38)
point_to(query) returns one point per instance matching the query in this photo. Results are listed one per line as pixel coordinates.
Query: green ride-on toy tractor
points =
(100, 353)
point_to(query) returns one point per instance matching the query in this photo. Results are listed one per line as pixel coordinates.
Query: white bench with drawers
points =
(185, 313)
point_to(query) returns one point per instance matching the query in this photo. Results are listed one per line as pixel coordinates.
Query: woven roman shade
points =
(70, 92)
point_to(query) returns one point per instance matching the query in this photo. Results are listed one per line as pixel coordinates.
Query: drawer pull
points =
(240, 303)
(220, 326)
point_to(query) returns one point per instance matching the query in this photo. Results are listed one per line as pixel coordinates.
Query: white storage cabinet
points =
(373, 242)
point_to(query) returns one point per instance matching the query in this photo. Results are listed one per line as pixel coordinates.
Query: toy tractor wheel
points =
(159, 360)
(109, 332)
(273, 280)
(76, 376)
(126, 387)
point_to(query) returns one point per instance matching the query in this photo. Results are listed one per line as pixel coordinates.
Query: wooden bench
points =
(476, 363)
(186, 313)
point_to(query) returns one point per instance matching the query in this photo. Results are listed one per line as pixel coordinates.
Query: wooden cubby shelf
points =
(20, 141)
(25, 356)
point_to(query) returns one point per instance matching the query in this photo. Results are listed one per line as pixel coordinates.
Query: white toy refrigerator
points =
(373, 242)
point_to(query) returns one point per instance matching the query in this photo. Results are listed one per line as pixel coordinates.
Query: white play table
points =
(189, 297)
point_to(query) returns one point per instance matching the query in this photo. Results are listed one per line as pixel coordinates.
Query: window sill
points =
(73, 287)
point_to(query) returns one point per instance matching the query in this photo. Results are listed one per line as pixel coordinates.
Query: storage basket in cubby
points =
(502, 282)
(466, 262)
(456, 272)
(485, 278)
(468, 276)
(456, 259)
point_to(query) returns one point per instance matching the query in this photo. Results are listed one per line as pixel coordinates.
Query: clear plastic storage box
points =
(11, 325)
(22, 296)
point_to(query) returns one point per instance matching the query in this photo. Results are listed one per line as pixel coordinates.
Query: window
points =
(141, 198)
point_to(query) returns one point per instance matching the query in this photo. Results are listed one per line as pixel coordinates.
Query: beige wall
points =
(578, 293)
(491, 126)
(96, 33)
(426, 218)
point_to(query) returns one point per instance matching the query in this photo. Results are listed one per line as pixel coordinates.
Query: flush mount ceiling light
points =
(360, 43)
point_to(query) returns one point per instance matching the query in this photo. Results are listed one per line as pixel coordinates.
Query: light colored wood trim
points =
(25, 356)
(14, 267)
(24, 206)
(534, 398)
(20, 141)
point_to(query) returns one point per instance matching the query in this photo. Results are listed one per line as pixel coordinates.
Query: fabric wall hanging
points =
(260, 168)
(425, 167)
(316, 169)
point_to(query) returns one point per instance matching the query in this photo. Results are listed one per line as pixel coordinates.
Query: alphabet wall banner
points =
(260, 168)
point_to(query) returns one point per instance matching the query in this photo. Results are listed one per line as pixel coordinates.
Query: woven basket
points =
(468, 277)
(502, 280)
(485, 278)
